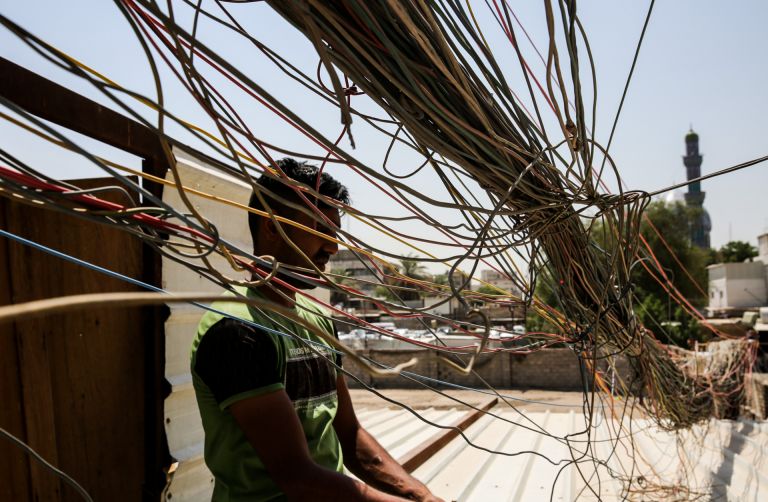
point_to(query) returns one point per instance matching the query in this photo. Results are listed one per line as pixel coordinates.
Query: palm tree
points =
(411, 267)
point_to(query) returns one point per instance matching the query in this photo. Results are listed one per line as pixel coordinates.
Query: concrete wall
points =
(556, 369)
(756, 400)
(444, 309)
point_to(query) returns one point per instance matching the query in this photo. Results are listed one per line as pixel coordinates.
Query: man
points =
(278, 418)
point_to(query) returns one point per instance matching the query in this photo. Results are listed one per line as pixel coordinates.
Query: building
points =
(512, 311)
(451, 309)
(762, 248)
(499, 280)
(361, 275)
(761, 326)
(762, 252)
(736, 287)
(694, 198)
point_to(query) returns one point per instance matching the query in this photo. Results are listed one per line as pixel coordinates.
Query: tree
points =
(440, 279)
(487, 289)
(736, 252)
(667, 320)
(666, 229)
(411, 267)
(384, 292)
(395, 289)
(546, 293)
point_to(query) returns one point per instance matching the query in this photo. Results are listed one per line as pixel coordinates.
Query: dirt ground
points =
(529, 400)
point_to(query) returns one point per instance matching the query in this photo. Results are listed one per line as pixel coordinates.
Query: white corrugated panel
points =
(725, 460)
(191, 480)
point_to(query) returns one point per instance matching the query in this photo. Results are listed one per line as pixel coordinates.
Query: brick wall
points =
(555, 369)
(547, 369)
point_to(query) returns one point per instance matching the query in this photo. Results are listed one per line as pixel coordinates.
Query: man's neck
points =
(270, 292)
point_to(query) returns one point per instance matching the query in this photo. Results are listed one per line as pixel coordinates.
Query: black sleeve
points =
(234, 358)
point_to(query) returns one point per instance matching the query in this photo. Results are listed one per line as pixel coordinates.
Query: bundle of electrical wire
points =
(429, 68)
(523, 194)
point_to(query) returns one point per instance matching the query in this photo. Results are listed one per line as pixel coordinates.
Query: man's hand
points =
(367, 459)
(426, 496)
(431, 498)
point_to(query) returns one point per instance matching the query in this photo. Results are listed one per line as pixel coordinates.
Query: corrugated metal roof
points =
(724, 458)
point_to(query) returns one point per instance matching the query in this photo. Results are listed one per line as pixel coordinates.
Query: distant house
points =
(512, 311)
(362, 274)
(437, 305)
(499, 280)
(762, 252)
(736, 287)
(761, 326)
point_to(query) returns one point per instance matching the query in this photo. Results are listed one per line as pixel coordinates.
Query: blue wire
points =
(136, 282)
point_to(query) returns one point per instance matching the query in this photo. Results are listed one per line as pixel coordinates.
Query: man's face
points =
(315, 247)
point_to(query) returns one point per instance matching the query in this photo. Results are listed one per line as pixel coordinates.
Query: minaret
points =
(694, 198)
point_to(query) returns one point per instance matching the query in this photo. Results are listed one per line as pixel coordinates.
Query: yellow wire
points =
(477, 27)
(542, 312)
(214, 138)
(154, 107)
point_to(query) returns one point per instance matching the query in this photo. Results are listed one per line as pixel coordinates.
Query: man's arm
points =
(273, 429)
(367, 459)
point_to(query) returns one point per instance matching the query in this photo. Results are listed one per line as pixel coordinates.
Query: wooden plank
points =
(424, 451)
(14, 464)
(55, 103)
(157, 457)
(83, 374)
(62, 106)
(37, 401)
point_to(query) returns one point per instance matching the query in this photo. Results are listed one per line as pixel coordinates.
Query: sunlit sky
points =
(702, 64)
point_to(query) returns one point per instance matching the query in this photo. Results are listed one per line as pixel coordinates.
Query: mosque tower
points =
(694, 198)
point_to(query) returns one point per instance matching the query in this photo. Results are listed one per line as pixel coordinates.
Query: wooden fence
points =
(81, 388)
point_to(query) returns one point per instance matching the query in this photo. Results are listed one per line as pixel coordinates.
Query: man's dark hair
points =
(276, 189)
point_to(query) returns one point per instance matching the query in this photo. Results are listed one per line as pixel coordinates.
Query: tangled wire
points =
(521, 192)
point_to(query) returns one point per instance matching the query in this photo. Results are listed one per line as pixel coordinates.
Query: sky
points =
(702, 65)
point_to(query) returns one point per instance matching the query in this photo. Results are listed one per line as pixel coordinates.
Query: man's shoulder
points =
(237, 312)
(225, 308)
(309, 304)
(314, 311)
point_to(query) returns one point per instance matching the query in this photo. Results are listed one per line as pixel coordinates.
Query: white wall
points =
(737, 285)
(444, 310)
(192, 481)
(762, 245)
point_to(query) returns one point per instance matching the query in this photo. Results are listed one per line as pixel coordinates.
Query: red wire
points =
(528, 70)
(95, 202)
(156, 24)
